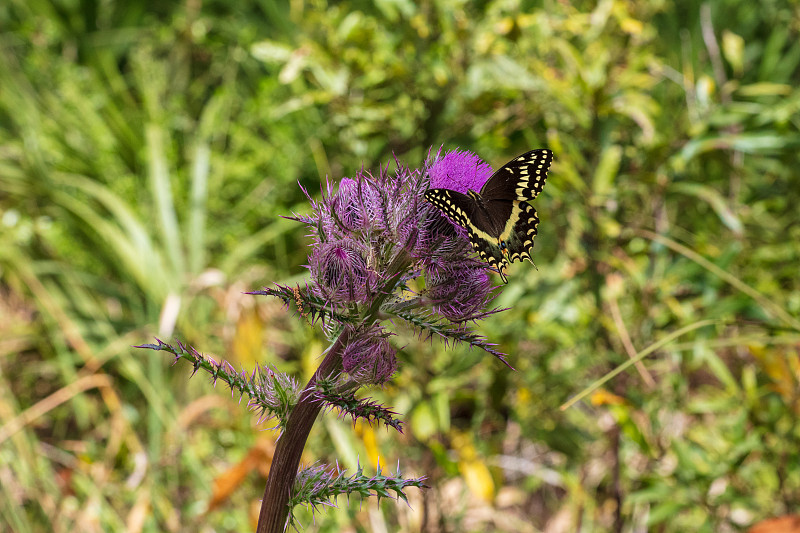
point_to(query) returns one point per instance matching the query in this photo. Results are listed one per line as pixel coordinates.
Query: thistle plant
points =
(381, 258)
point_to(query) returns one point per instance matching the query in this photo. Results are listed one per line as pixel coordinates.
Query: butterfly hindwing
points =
(522, 178)
(490, 252)
(487, 249)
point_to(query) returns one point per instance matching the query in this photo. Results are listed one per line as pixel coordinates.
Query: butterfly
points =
(500, 221)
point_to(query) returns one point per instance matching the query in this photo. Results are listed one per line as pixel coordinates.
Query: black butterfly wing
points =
(522, 178)
(459, 207)
(520, 228)
(464, 211)
(503, 226)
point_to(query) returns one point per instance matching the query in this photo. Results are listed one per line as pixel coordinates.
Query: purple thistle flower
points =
(375, 233)
(340, 270)
(357, 204)
(369, 358)
(458, 294)
(460, 171)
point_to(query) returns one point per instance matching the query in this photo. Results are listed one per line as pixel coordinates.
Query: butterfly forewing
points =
(460, 208)
(522, 178)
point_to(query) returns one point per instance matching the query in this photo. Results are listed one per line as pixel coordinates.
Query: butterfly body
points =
(500, 221)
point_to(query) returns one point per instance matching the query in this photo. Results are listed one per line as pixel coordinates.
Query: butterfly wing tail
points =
(520, 242)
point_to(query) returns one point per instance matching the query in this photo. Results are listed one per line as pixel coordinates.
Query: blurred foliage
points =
(148, 149)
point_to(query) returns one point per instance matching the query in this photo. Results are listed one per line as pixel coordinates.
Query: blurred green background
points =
(147, 150)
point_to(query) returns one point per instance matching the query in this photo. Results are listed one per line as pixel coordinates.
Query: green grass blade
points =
(196, 236)
(767, 304)
(638, 357)
(166, 215)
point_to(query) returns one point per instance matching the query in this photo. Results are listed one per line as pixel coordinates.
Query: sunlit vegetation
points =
(148, 151)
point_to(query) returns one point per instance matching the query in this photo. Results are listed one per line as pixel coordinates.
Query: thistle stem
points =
(274, 506)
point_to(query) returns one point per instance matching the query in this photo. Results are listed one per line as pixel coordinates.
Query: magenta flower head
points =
(460, 171)
(369, 358)
(357, 204)
(458, 294)
(340, 271)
